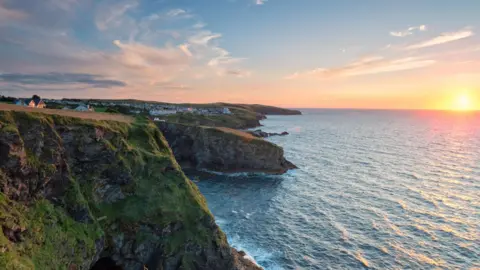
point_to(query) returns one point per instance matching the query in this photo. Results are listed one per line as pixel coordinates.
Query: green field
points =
(100, 109)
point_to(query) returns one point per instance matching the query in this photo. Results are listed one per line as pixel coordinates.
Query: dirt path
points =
(70, 113)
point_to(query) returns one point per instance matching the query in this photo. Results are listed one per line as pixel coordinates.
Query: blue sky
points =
(303, 53)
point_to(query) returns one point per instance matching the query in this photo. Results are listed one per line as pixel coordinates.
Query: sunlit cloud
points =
(408, 31)
(365, 66)
(260, 2)
(156, 51)
(442, 39)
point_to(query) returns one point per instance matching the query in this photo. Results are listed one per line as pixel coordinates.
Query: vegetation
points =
(100, 109)
(239, 119)
(5, 99)
(158, 194)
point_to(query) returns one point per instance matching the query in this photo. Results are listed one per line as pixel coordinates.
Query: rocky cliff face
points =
(73, 191)
(223, 149)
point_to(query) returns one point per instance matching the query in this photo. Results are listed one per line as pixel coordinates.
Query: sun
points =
(462, 102)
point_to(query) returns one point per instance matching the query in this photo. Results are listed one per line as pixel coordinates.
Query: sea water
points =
(374, 189)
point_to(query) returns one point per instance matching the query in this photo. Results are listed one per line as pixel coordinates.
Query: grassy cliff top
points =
(259, 108)
(121, 175)
(69, 113)
(239, 119)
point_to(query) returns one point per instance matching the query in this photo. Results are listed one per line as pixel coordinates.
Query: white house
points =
(84, 108)
(162, 112)
(226, 111)
(20, 102)
(34, 103)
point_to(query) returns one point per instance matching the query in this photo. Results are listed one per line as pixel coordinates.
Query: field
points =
(100, 109)
(83, 115)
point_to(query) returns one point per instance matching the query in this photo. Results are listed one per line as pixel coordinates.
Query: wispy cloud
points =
(442, 39)
(55, 78)
(149, 52)
(409, 31)
(110, 15)
(178, 12)
(260, 2)
(135, 54)
(365, 66)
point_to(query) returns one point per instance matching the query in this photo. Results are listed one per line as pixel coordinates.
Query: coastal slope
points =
(73, 191)
(223, 149)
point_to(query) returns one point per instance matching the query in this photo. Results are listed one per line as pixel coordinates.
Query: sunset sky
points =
(293, 53)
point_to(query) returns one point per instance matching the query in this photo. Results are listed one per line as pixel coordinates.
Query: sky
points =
(295, 53)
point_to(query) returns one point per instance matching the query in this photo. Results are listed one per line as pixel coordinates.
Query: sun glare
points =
(462, 102)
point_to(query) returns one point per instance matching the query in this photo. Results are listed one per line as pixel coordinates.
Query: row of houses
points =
(204, 111)
(154, 109)
(35, 102)
(81, 108)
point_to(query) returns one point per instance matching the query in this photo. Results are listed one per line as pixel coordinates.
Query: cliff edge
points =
(74, 191)
(223, 149)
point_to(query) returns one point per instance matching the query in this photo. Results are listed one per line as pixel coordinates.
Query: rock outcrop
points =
(223, 149)
(262, 134)
(79, 194)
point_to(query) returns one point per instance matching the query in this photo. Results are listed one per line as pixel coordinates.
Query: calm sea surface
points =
(374, 189)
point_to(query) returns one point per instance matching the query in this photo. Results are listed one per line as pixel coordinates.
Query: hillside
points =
(239, 119)
(74, 190)
(223, 149)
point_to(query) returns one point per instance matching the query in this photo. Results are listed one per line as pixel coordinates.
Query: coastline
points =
(124, 147)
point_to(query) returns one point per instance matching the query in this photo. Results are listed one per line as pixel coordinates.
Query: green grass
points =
(159, 194)
(239, 119)
(50, 238)
(100, 109)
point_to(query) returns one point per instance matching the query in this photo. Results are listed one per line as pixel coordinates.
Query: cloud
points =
(184, 48)
(442, 39)
(203, 38)
(177, 12)
(365, 66)
(199, 25)
(141, 55)
(237, 73)
(10, 15)
(260, 2)
(129, 51)
(408, 31)
(110, 15)
(55, 78)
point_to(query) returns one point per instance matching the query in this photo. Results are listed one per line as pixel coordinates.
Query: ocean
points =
(374, 189)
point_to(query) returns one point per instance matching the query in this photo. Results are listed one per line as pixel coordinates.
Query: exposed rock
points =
(262, 134)
(223, 149)
(73, 191)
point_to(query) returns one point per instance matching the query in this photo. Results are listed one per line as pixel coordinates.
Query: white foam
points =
(250, 258)
(239, 174)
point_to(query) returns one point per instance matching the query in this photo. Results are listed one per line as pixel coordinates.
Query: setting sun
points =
(463, 102)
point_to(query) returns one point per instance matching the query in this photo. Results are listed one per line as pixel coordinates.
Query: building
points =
(20, 102)
(162, 112)
(226, 111)
(84, 108)
(35, 102)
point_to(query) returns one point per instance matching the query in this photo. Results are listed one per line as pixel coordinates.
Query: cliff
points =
(73, 191)
(239, 119)
(223, 149)
(268, 110)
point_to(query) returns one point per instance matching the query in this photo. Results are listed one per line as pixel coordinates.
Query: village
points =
(154, 110)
